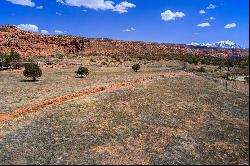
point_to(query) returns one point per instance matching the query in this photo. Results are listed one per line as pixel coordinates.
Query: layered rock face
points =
(30, 44)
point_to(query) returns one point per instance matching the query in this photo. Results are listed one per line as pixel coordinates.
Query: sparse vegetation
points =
(245, 62)
(60, 57)
(201, 69)
(82, 71)
(103, 63)
(92, 60)
(246, 79)
(32, 70)
(166, 112)
(14, 59)
(10, 61)
(2, 60)
(184, 65)
(136, 67)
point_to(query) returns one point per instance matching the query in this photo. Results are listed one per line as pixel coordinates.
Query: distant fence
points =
(231, 84)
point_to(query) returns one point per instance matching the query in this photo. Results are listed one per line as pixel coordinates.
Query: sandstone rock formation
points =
(30, 44)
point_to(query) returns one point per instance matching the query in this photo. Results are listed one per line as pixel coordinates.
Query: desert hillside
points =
(33, 44)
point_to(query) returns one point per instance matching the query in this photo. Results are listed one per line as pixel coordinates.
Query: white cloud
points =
(59, 14)
(60, 1)
(123, 6)
(205, 24)
(28, 27)
(202, 11)
(211, 18)
(23, 2)
(126, 30)
(44, 32)
(39, 7)
(58, 32)
(169, 15)
(232, 25)
(211, 6)
(132, 29)
(129, 29)
(100, 5)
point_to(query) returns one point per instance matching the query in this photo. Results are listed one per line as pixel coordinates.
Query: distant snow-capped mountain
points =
(221, 44)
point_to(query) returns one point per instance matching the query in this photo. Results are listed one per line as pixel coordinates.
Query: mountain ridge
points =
(30, 44)
(220, 44)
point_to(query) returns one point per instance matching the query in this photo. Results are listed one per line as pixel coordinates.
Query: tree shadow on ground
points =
(24, 80)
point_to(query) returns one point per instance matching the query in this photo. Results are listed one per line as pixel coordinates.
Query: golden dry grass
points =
(182, 119)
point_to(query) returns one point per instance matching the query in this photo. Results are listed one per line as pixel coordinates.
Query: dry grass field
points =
(178, 118)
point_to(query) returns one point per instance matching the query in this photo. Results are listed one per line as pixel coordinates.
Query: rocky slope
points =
(33, 44)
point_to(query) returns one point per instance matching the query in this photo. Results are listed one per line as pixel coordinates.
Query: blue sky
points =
(168, 21)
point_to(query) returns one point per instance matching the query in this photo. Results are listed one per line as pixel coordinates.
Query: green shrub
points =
(82, 71)
(245, 61)
(2, 60)
(246, 79)
(104, 63)
(136, 67)
(92, 60)
(117, 59)
(201, 69)
(32, 70)
(11, 60)
(14, 59)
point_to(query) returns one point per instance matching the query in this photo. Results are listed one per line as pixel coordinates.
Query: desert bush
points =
(8, 60)
(103, 63)
(245, 62)
(82, 71)
(92, 60)
(228, 64)
(117, 59)
(2, 60)
(60, 57)
(201, 69)
(136, 67)
(184, 65)
(14, 59)
(246, 79)
(11, 60)
(32, 70)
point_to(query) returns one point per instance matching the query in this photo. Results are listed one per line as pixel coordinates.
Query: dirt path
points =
(81, 93)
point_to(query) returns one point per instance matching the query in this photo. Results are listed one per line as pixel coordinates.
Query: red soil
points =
(61, 99)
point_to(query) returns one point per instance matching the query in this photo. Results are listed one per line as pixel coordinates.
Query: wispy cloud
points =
(39, 7)
(205, 24)
(59, 14)
(58, 32)
(23, 2)
(129, 29)
(169, 15)
(232, 25)
(211, 6)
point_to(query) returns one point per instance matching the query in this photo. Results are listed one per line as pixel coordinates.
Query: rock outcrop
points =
(33, 44)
